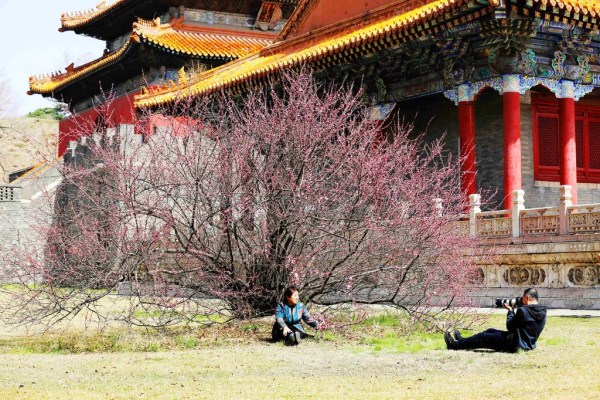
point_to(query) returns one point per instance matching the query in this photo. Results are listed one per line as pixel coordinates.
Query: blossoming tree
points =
(226, 202)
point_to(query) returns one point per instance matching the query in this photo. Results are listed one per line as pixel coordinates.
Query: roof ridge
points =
(177, 24)
(76, 19)
(78, 14)
(47, 83)
(299, 15)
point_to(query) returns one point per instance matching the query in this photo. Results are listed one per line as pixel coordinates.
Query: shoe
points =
(293, 339)
(457, 335)
(450, 342)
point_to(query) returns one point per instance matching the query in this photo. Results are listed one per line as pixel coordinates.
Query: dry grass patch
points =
(236, 361)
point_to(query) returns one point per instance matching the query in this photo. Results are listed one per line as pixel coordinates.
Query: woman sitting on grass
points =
(288, 319)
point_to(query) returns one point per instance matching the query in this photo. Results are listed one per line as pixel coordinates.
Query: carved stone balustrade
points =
(556, 249)
(461, 227)
(539, 221)
(564, 220)
(494, 223)
(583, 219)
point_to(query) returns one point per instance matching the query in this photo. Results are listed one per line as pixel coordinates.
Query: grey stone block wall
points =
(13, 213)
(489, 146)
(438, 116)
(22, 221)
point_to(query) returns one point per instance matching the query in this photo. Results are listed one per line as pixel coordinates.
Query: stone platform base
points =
(565, 270)
(568, 298)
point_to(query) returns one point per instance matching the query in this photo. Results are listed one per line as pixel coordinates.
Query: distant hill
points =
(25, 142)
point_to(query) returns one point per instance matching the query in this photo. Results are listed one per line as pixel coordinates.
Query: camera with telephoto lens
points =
(513, 303)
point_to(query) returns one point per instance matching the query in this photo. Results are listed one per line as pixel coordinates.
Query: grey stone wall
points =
(11, 215)
(489, 146)
(25, 211)
(13, 229)
(438, 116)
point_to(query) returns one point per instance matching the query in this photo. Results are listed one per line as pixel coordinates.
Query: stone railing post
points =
(72, 147)
(110, 134)
(128, 139)
(518, 204)
(565, 203)
(438, 208)
(474, 209)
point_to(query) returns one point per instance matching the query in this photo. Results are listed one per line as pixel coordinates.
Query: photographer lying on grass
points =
(524, 328)
(288, 319)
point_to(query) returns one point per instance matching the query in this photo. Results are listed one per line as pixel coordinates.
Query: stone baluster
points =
(72, 147)
(474, 209)
(518, 204)
(128, 139)
(110, 134)
(97, 138)
(438, 207)
(563, 208)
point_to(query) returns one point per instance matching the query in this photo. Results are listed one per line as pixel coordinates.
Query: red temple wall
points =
(120, 111)
(333, 11)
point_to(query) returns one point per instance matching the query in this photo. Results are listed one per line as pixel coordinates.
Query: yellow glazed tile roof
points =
(282, 56)
(174, 39)
(279, 56)
(79, 18)
(201, 42)
(591, 7)
(48, 83)
(34, 172)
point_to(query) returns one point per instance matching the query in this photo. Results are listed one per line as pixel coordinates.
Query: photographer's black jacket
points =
(526, 325)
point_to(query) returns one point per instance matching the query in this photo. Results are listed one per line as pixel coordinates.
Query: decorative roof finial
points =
(182, 76)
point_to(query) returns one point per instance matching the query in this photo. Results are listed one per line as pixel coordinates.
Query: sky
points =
(30, 44)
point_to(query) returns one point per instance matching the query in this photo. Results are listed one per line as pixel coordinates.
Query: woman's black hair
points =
(289, 291)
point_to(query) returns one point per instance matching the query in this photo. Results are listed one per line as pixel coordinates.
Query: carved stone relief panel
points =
(556, 275)
(480, 275)
(529, 275)
(583, 275)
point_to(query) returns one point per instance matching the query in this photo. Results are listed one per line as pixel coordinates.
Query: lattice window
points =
(7, 193)
(594, 144)
(579, 143)
(548, 141)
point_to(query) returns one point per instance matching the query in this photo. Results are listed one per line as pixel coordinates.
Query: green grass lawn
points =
(236, 362)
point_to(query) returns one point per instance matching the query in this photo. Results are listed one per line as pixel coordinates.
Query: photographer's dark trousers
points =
(489, 339)
(293, 338)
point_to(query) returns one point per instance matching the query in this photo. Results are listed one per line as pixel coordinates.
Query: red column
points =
(512, 145)
(466, 128)
(568, 151)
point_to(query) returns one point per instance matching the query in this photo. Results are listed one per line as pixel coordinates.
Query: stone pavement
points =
(552, 312)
